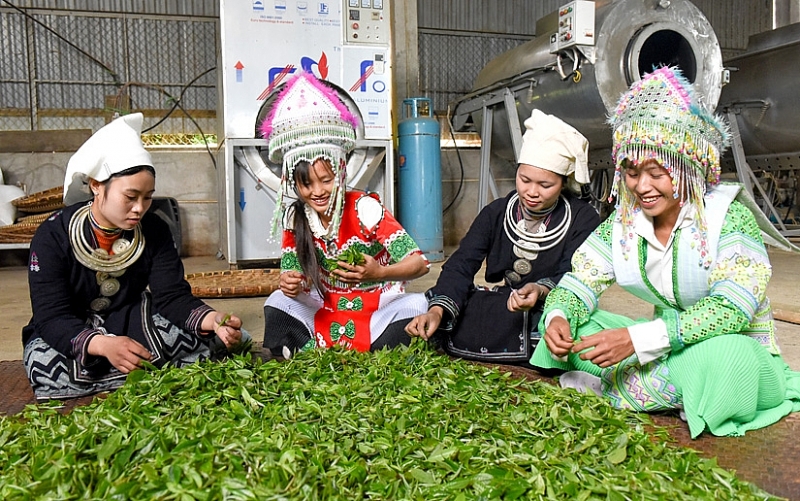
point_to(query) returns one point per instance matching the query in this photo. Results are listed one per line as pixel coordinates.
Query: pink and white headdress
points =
(660, 117)
(309, 121)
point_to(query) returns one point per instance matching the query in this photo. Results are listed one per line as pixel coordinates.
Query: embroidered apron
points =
(344, 319)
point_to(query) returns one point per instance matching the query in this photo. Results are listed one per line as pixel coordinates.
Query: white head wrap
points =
(551, 144)
(113, 148)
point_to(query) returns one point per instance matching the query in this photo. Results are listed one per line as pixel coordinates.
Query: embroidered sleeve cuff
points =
(449, 306)
(195, 321)
(650, 340)
(80, 347)
(672, 322)
(547, 283)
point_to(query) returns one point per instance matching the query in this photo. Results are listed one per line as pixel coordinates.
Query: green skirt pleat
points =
(729, 384)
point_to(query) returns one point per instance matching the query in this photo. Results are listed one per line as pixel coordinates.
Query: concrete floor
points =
(783, 290)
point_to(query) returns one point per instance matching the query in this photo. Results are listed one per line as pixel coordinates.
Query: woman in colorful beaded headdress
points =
(689, 245)
(345, 258)
(106, 282)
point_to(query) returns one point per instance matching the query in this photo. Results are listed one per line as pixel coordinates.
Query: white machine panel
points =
(263, 42)
(366, 22)
(575, 26)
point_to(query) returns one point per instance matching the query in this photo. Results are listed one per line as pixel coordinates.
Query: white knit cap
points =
(115, 147)
(551, 144)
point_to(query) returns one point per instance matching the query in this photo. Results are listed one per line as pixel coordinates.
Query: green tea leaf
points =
(333, 424)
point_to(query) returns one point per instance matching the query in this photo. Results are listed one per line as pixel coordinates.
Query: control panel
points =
(367, 23)
(575, 26)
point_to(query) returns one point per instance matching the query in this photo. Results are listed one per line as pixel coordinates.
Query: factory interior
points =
(441, 91)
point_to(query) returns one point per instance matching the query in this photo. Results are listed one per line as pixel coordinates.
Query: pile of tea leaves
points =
(332, 424)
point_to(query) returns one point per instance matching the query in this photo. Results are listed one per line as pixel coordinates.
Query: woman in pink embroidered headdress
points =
(691, 246)
(345, 258)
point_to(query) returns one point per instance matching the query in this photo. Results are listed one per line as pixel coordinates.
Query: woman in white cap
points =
(106, 282)
(688, 244)
(526, 240)
(345, 257)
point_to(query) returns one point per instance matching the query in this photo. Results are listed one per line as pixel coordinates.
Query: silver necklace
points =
(530, 244)
(108, 267)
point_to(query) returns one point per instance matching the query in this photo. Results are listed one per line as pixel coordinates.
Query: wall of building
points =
(186, 174)
(454, 40)
(206, 8)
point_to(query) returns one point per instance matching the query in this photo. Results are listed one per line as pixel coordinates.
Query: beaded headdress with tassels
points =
(662, 118)
(309, 121)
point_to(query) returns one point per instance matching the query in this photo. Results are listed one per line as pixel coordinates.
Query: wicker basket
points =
(234, 283)
(11, 238)
(42, 201)
(36, 219)
(22, 231)
(17, 233)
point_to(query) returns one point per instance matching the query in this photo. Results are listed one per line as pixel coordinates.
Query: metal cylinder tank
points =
(762, 92)
(419, 177)
(582, 85)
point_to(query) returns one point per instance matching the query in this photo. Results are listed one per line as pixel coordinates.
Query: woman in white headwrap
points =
(526, 240)
(106, 282)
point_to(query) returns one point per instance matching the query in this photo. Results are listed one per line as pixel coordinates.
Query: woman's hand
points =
(558, 337)
(123, 352)
(606, 348)
(368, 271)
(426, 324)
(526, 297)
(228, 328)
(292, 283)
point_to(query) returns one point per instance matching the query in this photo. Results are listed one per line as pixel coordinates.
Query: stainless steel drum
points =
(582, 86)
(763, 93)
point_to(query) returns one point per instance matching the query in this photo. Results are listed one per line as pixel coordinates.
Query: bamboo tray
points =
(41, 201)
(34, 219)
(17, 233)
(22, 231)
(234, 283)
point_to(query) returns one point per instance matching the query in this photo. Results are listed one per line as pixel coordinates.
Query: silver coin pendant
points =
(522, 266)
(530, 255)
(100, 304)
(109, 287)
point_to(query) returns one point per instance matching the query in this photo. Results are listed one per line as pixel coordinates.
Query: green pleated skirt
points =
(727, 385)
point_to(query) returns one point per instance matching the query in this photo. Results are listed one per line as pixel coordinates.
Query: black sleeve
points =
(55, 318)
(172, 294)
(584, 221)
(458, 272)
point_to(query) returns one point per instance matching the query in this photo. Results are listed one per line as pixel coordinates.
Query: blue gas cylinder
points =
(420, 176)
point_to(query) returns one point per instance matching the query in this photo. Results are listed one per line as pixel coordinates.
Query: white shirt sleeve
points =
(650, 340)
(550, 316)
(553, 314)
